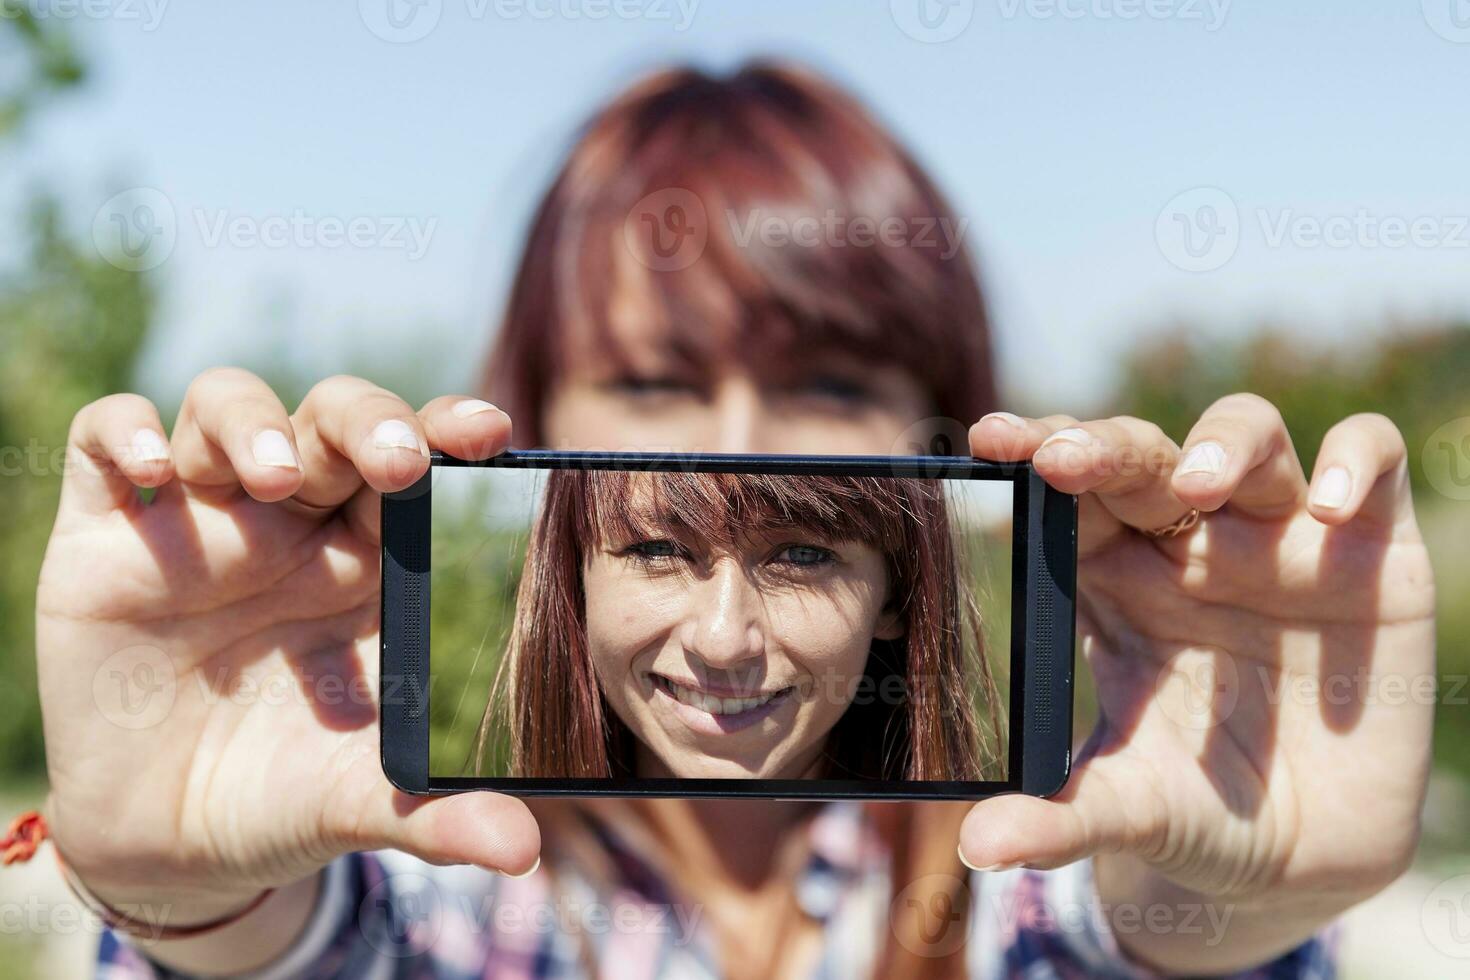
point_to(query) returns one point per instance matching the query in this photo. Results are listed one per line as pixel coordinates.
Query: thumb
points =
(1097, 811)
(490, 830)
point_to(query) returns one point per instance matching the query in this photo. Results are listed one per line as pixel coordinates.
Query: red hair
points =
(923, 723)
(772, 141)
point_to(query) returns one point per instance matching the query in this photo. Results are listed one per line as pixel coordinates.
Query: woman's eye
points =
(804, 555)
(832, 387)
(653, 550)
(644, 385)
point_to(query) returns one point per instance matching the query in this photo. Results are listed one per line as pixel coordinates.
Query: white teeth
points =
(711, 704)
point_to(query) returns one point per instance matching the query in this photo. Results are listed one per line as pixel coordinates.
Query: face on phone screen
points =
(656, 625)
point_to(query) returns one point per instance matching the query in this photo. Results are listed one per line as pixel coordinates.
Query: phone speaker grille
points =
(413, 701)
(1041, 663)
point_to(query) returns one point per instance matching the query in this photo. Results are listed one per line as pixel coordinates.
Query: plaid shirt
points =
(387, 915)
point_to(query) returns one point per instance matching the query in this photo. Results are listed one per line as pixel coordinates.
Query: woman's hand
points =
(1265, 679)
(208, 661)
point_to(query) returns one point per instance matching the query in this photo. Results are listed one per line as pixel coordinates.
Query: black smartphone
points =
(795, 627)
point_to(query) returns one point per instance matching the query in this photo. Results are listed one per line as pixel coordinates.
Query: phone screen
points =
(626, 625)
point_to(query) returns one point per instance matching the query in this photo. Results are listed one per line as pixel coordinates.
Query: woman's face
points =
(816, 402)
(733, 660)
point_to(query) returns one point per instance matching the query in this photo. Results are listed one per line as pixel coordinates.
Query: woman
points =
(726, 626)
(256, 559)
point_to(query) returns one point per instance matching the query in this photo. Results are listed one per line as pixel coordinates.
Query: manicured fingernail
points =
(1077, 437)
(1333, 488)
(395, 434)
(270, 448)
(471, 406)
(148, 447)
(1015, 421)
(1207, 457)
(527, 873)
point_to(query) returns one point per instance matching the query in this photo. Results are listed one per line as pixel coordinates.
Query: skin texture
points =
(792, 618)
(1285, 809)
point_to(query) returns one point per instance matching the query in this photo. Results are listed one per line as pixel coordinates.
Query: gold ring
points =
(1178, 527)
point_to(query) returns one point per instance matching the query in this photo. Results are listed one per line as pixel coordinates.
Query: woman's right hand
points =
(208, 661)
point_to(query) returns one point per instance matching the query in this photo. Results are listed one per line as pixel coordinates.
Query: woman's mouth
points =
(711, 714)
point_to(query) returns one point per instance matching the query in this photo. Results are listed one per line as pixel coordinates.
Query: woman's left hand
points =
(1265, 680)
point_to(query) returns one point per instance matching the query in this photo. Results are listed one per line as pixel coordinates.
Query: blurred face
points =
(817, 402)
(733, 660)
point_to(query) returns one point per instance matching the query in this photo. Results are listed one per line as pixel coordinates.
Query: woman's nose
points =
(722, 625)
(738, 416)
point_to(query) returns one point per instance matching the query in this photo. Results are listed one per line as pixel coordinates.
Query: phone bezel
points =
(1043, 586)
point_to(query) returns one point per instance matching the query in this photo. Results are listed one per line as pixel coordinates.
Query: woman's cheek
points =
(829, 642)
(626, 616)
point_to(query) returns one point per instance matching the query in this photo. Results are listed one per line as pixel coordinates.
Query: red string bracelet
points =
(24, 837)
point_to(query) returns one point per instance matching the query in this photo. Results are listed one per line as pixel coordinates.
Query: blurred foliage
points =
(1419, 378)
(47, 60)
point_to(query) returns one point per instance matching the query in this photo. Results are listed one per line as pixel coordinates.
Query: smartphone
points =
(793, 627)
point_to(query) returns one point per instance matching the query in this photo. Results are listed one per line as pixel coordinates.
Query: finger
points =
(489, 830)
(351, 432)
(1098, 811)
(1240, 452)
(469, 428)
(1004, 437)
(1124, 462)
(116, 445)
(1362, 472)
(233, 431)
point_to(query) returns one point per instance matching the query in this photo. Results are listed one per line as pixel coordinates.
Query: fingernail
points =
(395, 434)
(1077, 437)
(527, 873)
(471, 406)
(270, 448)
(1207, 457)
(148, 447)
(1333, 488)
(987, 867)
(1015, 421)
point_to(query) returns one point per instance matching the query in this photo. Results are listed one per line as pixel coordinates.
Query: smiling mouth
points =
(723, 714)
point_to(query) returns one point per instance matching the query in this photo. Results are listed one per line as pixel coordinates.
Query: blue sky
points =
(1065, 131)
